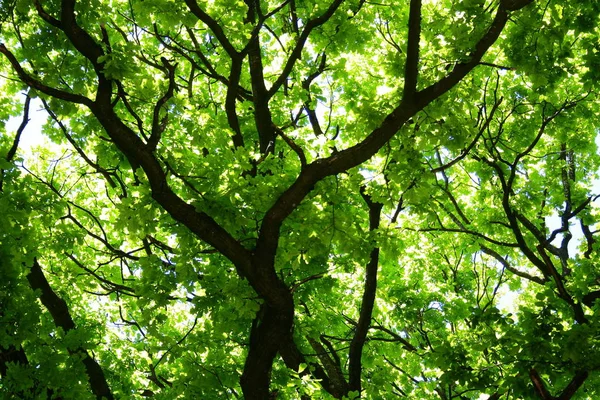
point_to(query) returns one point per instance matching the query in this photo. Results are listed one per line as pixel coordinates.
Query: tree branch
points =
(411, 70)
(334, 372)
(505, 264)
(62, 318)
(578, 380)
(214, 27)
(297, 51)
(260, 97)
(466, 151)
(34, 83)
(15, 146)
(158, 125)
(13, 149)
(368, 301)
(45, 16)
(462, 69)
(359, 153)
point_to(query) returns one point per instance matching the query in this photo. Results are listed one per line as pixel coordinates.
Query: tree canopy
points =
(299, 199)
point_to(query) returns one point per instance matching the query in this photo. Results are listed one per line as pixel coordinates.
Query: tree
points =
(300, 199)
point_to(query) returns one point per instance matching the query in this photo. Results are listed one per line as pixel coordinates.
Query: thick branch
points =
(270, 331)
(230, 102)
(573, 386)
(11, 355)
(17, 356)
(132, 146)
(292, 358)
(338, 385)
(412, 52)
(590, 298)
(62, 318)
(540, 387)
(462, 69)
(312, 115)
(13, 149)
(214, 27)
(82, 41)
(45, 16)
(359, 153)
(506, 265)
(199, 223)
(260, 97)
(368, 302)
(34, 83)
(134, 149)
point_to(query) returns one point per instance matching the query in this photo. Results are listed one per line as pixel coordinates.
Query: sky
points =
(32, 135)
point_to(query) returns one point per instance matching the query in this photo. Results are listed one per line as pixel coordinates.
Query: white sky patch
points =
(383, 89)
(554, 222)
(32, 134)
(507, 302)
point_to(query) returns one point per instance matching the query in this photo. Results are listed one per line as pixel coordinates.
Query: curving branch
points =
(105, 283)
(30, 81)
(359, 153)
(406, 345)
(507, 266)
(234, 90)
(470, 147)
(45, 16)
(312, 115)
(62, 318)
(368, 301)
(462, 69)
(337, 381)
(17, 356)
(105, 173)
(297, 50)
(137, 152)
(540, 387)
(158, 124)
(213, 26)
(13, 149)
(262, 113)
(294, 146)
(293, 358)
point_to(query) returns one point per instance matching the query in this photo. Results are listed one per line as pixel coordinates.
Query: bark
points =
(262, 112)
(274, 326)
(367, 305)
(62, 318)
(338, 387)
(271, 329)
(540, 387)
(412, 52)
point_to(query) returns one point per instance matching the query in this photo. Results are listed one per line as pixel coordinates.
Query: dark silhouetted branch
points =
(62, 318)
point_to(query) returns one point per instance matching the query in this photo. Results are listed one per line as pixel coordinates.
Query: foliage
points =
(300, 199)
